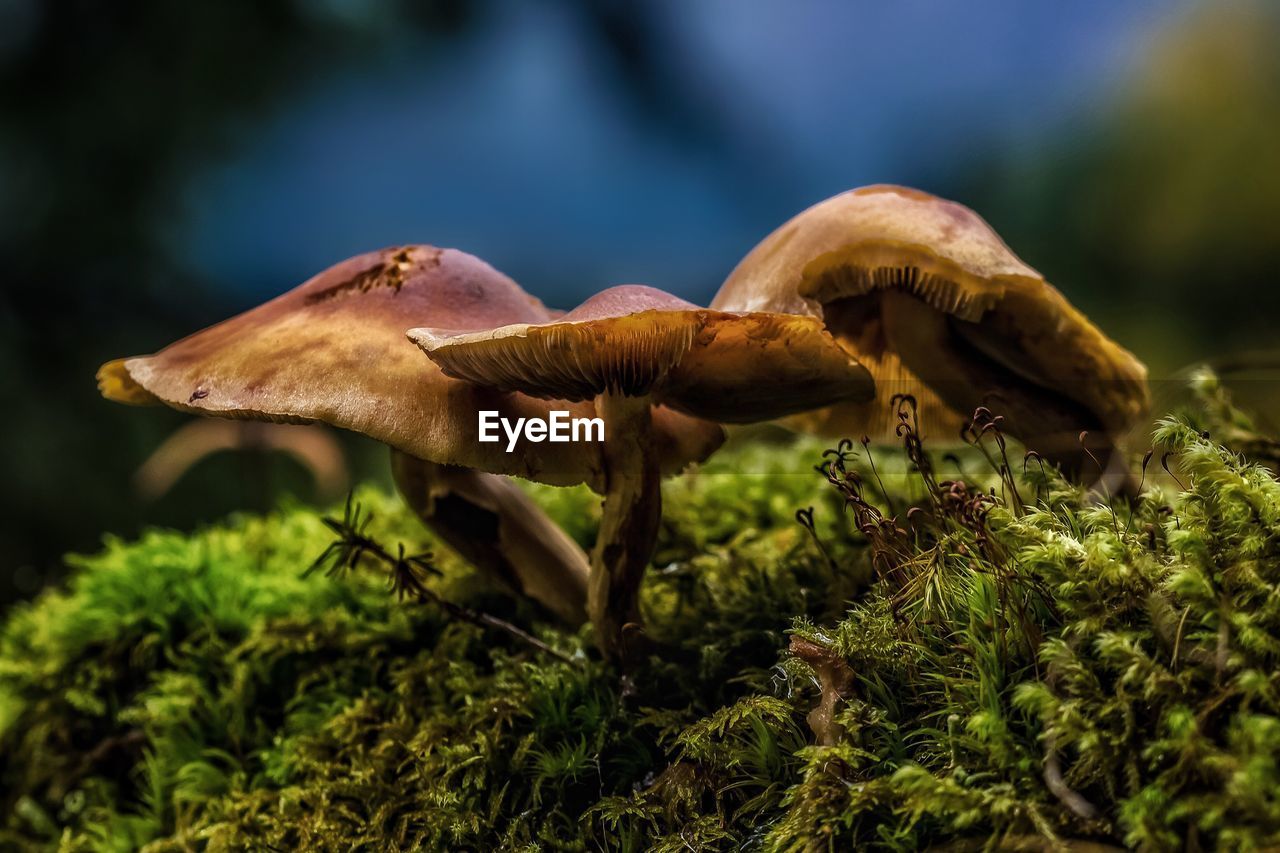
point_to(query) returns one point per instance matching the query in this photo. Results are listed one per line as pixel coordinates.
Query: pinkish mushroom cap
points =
(333, 350)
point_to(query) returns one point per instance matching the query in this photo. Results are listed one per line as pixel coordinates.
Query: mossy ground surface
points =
(1016, 663)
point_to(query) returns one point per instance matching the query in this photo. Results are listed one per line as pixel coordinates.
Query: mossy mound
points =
(995, 660)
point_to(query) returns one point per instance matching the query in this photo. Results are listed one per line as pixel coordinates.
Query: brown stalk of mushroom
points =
(936, 305)
(333, 351)
(630, 348)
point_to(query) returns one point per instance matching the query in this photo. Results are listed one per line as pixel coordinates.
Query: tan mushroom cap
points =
(635, 341)
(334, 350)
(850, 258)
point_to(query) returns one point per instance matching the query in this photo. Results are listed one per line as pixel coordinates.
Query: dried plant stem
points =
(485, 620)
(407, 575)
(1058, 786)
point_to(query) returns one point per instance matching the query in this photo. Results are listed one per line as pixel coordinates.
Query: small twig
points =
(1058, 786)
(407, 574)
(1053, 778)
(1177, 638)
(476, 617)
(119, 747)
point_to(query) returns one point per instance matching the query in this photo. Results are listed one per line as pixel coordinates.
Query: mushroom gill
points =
(930, 298)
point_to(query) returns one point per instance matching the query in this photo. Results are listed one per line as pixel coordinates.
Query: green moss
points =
(1042, 665)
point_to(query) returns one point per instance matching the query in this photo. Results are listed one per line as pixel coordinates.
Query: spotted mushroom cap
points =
(333, 350)
(979, 325)
(637, 341)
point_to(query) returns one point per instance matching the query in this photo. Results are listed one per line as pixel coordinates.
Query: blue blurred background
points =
(163, 165)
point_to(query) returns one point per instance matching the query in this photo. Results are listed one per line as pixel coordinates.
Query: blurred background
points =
(164, 165)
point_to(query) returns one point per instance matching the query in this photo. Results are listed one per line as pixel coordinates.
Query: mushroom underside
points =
(492, 524)
(723, 367)
(1020, 322)
(952, 368)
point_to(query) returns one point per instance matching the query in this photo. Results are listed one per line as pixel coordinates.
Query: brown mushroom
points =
(313, 447)
(629, 348)
(936, 305)
(334, 350)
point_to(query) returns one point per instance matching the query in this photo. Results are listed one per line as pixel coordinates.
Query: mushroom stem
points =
(493, 525)
(631, 513)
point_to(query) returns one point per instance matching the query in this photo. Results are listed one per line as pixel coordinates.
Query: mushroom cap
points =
(333, 350)
(636, 341)
(1010, 328)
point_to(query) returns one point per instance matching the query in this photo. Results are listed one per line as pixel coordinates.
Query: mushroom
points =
(629, 348)
(334, 350)
(313, 447)
(931, 299)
